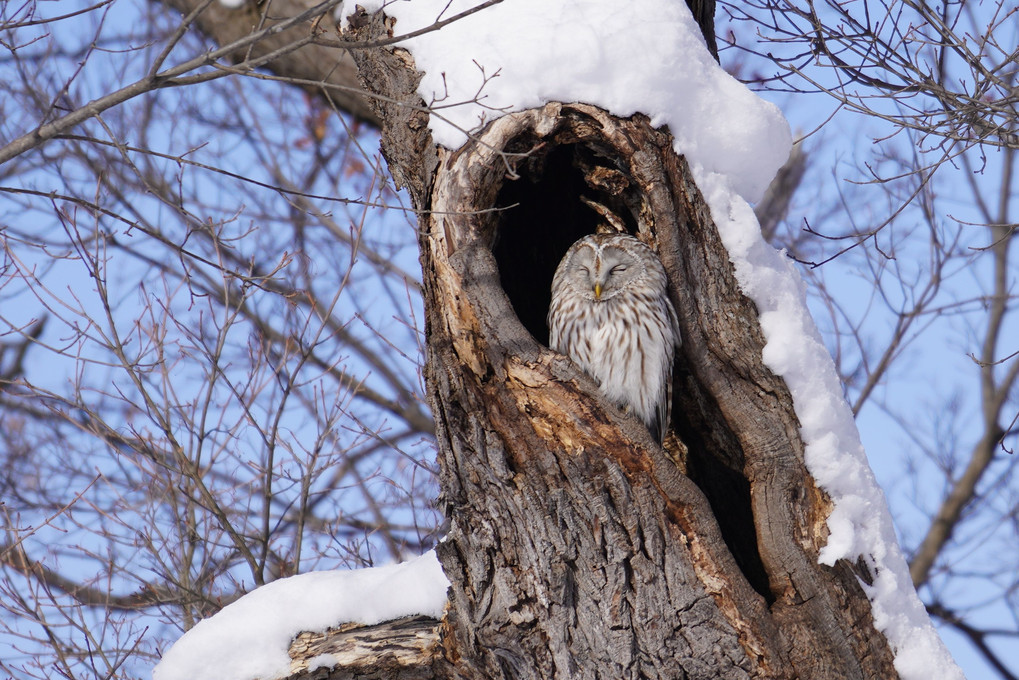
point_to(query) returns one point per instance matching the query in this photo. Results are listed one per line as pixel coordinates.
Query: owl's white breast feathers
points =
(626, 341)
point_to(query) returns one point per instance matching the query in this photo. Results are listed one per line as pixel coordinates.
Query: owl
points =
(611, 314)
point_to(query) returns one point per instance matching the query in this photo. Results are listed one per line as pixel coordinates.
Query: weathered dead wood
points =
(577, 548)
(405, 649)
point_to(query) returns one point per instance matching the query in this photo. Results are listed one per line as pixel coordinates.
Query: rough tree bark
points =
(578, 548)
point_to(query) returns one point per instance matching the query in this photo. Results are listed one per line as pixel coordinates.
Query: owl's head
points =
(600, 266)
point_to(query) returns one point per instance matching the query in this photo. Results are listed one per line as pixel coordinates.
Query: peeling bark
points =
(405, 649)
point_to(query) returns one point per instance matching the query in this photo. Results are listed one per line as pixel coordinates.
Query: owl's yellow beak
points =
(597, 290)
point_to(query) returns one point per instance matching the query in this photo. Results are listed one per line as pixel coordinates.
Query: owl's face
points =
(599, 271)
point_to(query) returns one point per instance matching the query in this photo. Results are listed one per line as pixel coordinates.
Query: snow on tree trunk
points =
(577, 547)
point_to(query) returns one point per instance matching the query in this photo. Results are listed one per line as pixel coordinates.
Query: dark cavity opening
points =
(715, 464)
(543, 215)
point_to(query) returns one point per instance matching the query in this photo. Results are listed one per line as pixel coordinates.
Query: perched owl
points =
(611, 314)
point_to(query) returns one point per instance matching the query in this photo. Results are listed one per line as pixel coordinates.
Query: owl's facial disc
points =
(600, 273)
(614, 269)
(584, 271)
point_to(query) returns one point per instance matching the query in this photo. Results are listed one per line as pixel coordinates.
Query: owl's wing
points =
(661, 418)
(555, 323)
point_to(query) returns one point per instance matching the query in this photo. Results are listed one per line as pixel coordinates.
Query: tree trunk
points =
(578, 547)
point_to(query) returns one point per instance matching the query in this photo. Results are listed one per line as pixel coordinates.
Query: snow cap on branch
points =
(250, 637)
